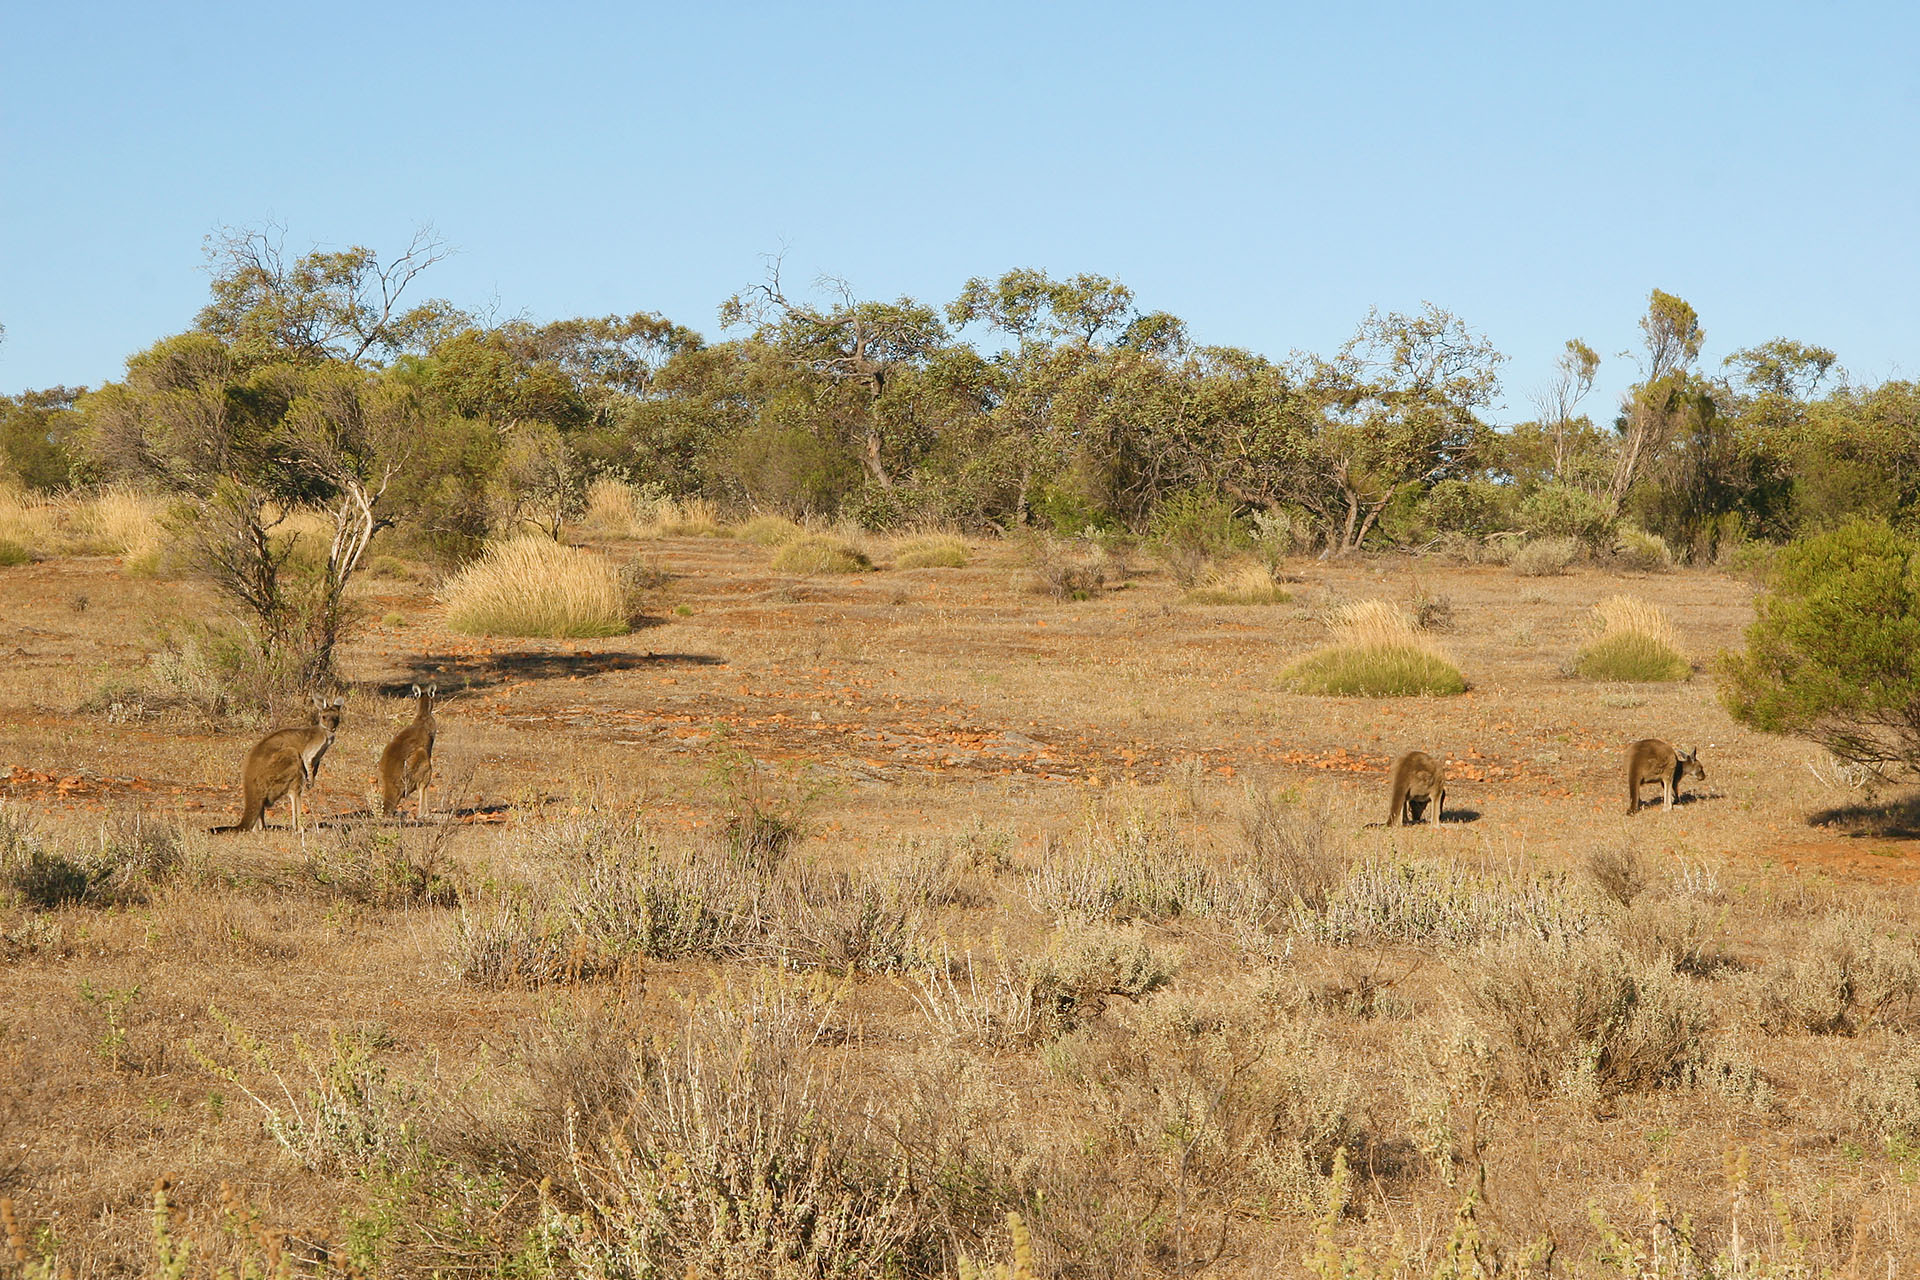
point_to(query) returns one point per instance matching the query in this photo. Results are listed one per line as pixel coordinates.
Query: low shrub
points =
(1246, 582)
(12, 553)
(1376, 653)
(1852, 974)
(131, 855)
(1441, 904)
(534, 586)
(1587, 1020)
(941, 552)
(1635, 642)
(1544, 557)
(820, 553)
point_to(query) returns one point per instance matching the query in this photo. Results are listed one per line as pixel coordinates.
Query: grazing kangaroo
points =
(1419, 785)
(286, 762)
(1657, 760)
(406, 766)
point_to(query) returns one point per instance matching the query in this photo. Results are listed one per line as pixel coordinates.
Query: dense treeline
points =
(1027, 400)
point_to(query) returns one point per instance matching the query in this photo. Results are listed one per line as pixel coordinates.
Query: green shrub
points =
(1193, 527)
(536, 587)
(12, 553)
(1562, 511)
(1639, 550)
(820, 553)
(1833, 654)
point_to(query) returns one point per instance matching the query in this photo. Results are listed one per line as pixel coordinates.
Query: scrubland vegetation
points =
(953, 846)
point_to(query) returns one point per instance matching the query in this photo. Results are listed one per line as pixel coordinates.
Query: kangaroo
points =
(286, 762)
(1657, 760)
(406, 766)
(1419, 786)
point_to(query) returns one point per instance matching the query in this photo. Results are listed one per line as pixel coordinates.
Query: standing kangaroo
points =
(286, 762)
(406, 766)
(1419, 784)
(1657, 760)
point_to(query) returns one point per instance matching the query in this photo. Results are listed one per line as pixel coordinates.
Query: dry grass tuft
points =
(615, 509)
(1636, 642)
(769, 531)
(1376, 653)
(1243, 582)
(114, 520)
(536, 587)
(821, 553)
(936, 551)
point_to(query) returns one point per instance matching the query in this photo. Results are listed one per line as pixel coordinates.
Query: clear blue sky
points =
(1267, 172)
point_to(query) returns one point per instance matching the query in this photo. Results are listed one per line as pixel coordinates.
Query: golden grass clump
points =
(122, 520)
(684, 518)
(532, 586)
(821, 553)
(1243, 582)
(615, 509)
(1376, 653)
(769, 531)
(29, 522)
(1635, 642)
(932, 551)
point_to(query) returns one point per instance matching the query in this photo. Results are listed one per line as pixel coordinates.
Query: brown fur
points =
(406, 766)
(1419, 789)
(1657, 760)
(286, 762)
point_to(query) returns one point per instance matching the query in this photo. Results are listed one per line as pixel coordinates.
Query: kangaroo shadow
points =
(1451, 815)
(465, 671)
(1898, 819)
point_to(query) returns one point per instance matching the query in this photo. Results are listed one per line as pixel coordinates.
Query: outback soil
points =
(903, 705)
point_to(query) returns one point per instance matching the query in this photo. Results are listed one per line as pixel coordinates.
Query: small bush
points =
(1544, 557)
(131, 856)
(12, 553)
(1850, 975)
(1560, 512)
(1639, 550)
(932, 553)
(1636, 643)
(1586, 1018)
(614, 509)
(1297, 850)
(1192, 528)
(1376, 653)
(820, 553)
(536, 587)
(1248, 582)
(1440, 904)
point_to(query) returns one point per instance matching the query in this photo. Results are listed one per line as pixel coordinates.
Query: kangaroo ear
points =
(416, 691)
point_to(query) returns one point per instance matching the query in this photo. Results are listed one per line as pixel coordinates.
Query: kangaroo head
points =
(327, 714)
(1690, 764)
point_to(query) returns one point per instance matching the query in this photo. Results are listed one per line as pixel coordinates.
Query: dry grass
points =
(615, 509)
(769, 531)
(1033, 950)
(113, 520)
(1242, 582)
(821, 553)
(537, 587)
(1377, 652)
(932, 551)
(1635, 641)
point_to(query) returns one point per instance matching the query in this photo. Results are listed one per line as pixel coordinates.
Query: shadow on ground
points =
(464, 671)
(1872, 821)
